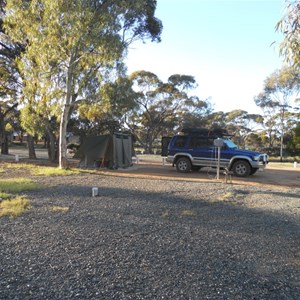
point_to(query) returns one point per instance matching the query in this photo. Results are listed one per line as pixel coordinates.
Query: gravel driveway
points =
(152, 239)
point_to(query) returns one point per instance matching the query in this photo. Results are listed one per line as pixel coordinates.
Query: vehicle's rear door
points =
(164, 145)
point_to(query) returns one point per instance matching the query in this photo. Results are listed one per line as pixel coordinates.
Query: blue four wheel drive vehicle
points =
(195, 148)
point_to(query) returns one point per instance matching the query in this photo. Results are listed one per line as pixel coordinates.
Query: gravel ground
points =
(152, 239)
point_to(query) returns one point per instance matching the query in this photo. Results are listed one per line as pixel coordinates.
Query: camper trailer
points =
(111, 151)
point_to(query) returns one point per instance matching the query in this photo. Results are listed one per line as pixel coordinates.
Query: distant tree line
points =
(62, 72)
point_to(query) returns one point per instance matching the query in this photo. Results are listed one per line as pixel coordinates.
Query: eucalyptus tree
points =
(196, 114)
(10, 83)
(277, 100)
(296, 138)
(242, 124)
(216, 120)
(117, 97)
(72, 43)
(289, 26)
(160, 106)
(7, 114)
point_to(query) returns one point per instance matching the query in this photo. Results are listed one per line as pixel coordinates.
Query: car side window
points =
(180, 142)
(198, 142)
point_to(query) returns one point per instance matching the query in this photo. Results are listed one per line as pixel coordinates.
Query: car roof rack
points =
(204, 132)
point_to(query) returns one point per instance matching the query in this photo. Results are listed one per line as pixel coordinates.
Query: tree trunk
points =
(3, 137)
(281, 146)
(4, 145)
(51, 146)
(31, 150)
(282, 132)
(63, 162)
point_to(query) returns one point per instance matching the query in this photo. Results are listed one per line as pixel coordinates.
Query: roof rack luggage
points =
(215, 132)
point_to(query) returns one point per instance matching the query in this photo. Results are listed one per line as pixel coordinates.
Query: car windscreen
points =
(230, 144)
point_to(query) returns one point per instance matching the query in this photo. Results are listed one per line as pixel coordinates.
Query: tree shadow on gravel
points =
(133, 244)
(168, 206)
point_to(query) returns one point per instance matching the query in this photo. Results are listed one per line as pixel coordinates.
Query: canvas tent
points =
(111, 151)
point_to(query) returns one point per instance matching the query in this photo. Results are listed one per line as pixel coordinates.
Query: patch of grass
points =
(16, 166)
(165, 214)
(43, 170)
(15, 185)
(188, 213)
(2, 170)
(226, 196)
(4, 196)
(14, 207)
(53, 171)
(59, 208)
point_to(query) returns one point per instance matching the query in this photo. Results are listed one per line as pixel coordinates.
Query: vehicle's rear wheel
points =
(183, 165)
(241, 168)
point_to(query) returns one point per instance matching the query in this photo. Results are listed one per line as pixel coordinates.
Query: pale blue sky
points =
(225, 45)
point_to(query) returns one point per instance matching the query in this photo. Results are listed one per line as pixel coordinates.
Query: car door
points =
(203, 151)
(165, 141)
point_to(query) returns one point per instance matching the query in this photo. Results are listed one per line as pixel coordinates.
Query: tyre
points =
(241, 168)
(183, 165)
(253, 171)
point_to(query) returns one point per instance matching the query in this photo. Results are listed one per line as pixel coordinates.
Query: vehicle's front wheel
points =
(241, 168)
(183, 165)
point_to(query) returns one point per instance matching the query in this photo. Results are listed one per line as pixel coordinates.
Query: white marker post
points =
(218, 143)
(94, 191)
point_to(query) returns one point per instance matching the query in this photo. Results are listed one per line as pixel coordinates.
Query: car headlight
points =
(256, 157)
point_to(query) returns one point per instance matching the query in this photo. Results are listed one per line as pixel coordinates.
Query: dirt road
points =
(288, 177)
(153, 167)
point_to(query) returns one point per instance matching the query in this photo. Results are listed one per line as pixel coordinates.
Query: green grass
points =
(4, 196)
(53, 171)
(42, 170)
(14, 207)
(15, 185)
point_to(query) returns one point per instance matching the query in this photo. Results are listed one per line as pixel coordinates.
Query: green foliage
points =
(297, 136)
(277, 102)
(242, 124)
(161, 107)
(73, 46)
(289, 27)
(107, 116)
(33, 169)
(4, 196)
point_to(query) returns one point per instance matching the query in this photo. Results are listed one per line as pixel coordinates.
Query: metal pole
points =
(218, 167)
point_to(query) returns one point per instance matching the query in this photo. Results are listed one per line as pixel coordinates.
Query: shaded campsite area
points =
(150, 237)
(150, 233)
